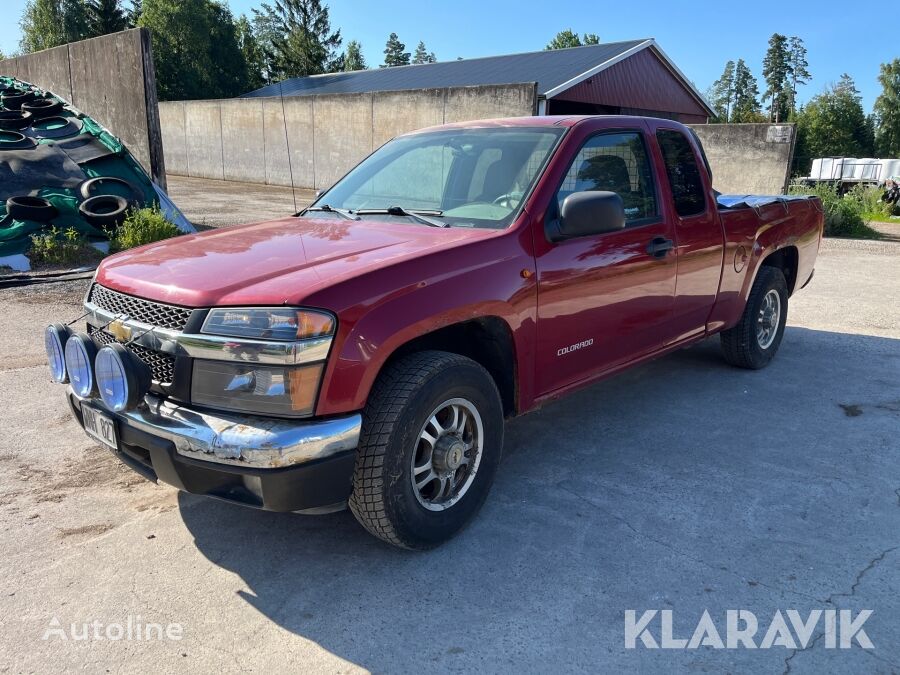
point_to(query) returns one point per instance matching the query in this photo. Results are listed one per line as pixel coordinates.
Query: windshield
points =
(460, 177)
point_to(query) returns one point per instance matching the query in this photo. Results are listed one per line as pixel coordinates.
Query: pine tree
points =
(299, 40)
(799, 69)
(394, 54)
(776, 72)
(353, 58)
(105, 16)
(721, 93)
(422, 55)
(887, 111)
(746, 95)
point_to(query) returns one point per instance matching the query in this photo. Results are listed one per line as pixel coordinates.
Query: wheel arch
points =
(487, 340)
(787, 260)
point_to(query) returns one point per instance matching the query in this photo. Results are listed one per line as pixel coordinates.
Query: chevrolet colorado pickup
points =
(367, 350)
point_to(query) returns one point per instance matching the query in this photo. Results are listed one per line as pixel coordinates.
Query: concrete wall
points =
(110, 78)
(748, 158)
(249, 139)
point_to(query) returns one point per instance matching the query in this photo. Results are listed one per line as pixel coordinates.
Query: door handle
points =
(659, 247)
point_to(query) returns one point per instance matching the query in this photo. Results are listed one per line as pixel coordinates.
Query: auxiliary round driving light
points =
(55, 337)
(80, 353)
(122, 377)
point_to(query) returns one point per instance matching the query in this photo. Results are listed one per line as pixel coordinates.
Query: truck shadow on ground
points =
(683, 483)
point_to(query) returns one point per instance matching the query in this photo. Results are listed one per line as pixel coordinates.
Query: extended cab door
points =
(604, 299)
(699, 236)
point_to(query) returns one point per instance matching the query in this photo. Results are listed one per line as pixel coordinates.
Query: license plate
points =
(100, 427)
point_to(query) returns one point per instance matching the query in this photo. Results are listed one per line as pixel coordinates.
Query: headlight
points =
(122, 378)
(276, 323)
(284, 391)
(55, 337)
(80, 354)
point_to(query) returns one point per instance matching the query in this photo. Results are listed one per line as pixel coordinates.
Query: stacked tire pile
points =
(60, 168)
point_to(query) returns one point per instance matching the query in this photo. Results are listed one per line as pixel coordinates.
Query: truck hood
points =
(277, 262)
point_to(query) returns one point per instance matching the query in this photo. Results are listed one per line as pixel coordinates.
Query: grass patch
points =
(846, 216)
(62, 247)
(142, 226)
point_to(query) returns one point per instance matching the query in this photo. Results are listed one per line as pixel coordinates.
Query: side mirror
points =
(586, 213)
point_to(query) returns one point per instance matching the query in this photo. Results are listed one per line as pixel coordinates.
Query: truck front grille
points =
(162, 366)
(138, 309)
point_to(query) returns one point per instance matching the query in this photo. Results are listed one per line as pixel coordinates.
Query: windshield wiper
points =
(417, 214)
(327, 208)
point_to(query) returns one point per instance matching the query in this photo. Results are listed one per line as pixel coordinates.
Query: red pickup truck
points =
(367, 350)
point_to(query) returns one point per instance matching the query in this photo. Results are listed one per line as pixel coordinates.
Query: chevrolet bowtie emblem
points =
(121, 332)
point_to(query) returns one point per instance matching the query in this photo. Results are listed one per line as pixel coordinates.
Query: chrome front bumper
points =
(240, 440)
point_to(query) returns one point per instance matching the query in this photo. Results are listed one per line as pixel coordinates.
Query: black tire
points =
(31, 208)
(54, 126)
(15, 119)
(99, 186)
(403, 398)
(14, 101)
(13, 140)
(741, 344)
(42, 107)
(105, 211)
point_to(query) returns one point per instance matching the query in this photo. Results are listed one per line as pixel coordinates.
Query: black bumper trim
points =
(311, 485)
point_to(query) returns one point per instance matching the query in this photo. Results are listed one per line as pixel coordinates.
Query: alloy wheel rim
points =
(768, 319)
(447, 454)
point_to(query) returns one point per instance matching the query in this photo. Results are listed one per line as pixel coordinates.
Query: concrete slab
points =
(203, 129)
(243, 152)
(343, 134)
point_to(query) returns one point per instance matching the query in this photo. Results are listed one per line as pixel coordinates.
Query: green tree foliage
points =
(394, 54)
(353, 58)
(833, 124)
(133, 13)
(50, 23)
(567, 38)
(297, 39)
(776, 71)
(721, 93)
(195, 49)
(798, 69)
(745, 106)
(252, 52)
(105, 16)
(887, 111)
(422, 55)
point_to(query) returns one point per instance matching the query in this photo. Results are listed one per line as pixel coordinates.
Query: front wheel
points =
(753, 342)
(430, 446)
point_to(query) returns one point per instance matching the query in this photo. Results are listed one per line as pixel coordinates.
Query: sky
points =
(700, 37)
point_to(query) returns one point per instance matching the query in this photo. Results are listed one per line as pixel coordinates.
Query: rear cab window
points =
(683, 173)
(615, 162)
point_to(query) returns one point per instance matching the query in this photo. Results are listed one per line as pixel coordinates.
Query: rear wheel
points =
(753, 342)
(431, 442)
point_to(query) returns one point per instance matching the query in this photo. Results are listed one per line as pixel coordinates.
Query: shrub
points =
(844, 216)
(143, 226)
(69, 247)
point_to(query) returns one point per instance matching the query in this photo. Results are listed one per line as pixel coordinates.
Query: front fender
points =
(370, 333)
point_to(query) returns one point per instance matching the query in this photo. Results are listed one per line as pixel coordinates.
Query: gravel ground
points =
(202, 201)
(683, 485)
